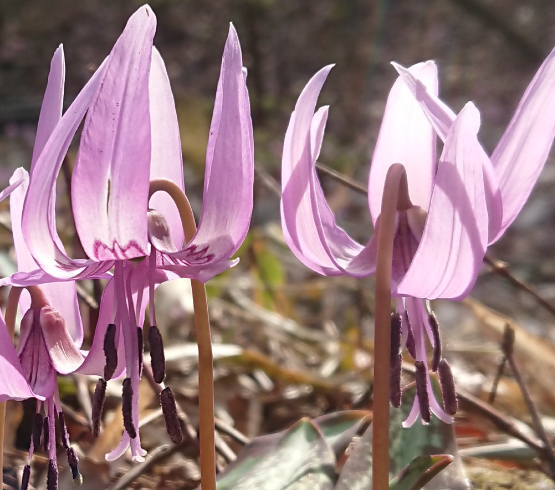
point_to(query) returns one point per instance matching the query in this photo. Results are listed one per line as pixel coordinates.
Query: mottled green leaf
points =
(296, 459)
(419, 472)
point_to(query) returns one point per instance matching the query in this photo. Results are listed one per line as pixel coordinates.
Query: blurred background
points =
(487, 51)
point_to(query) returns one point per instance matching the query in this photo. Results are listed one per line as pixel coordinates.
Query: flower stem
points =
(11, 313)
(392, 200)
(204, 342)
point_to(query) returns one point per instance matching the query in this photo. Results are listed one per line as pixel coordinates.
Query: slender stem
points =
(382, 332)
(507, 347)
(11, 313)
(204, 342)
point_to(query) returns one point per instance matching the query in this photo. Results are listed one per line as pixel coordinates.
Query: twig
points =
(501, 268)
(507, 347)
(155, 456)
(346, 181)
(495, 384)
(232, 432)
(502, 422)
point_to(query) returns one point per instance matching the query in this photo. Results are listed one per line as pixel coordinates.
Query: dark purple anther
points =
(157, 357)
(110, 352)
(395, 338)
(448, 391)
(169, 409)
(98, 406)
(37, 430)
(395, 383)
(411, 345)
(73, 462)
(26, 477)
(63, 430)
(127, 408)
(45, 433)
(141, 346)
(421, 378)
(432, 320)
(52, 475)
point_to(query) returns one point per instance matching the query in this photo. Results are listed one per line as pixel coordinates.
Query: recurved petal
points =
(52, 103)
(64, 354)
(61, 295)
(228, 179)
(111, 176)
(441, 117)
(308, 223)
(455, 235)
(405, 137)
(13, 385)
(523, 149)
(39, 220)
(166, 159)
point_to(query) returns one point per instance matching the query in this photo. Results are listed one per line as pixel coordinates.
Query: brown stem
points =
(11, 313)
(204, 342)
(394, 197)
(507, 347)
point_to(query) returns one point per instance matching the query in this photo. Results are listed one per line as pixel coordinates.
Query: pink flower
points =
(460, 203)
(131, 137)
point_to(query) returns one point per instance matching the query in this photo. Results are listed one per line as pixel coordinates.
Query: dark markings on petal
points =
(45, 433)
(141, 344)
(110, 352)
(157, 357)
(99, 398)
(169, 409)
(52, 475)
(411, 345)
(73, 462)
(63, 430)
(432, 320)
(395, 338)
(395, 383)
(127, 408)
(26, 477)
(37, 430)
(448, 391)
(421, 378)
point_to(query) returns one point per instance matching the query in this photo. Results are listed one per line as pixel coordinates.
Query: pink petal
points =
(405, 137)
(166, 159)
(64, 354)
(39, 220)
(455, 236)
(13, 384)
(52, 103)
(228, 179)
(61, 295)
(521, 153)
(200, 273)
(120, 449)
(95, 360)
(33, 356)
(111, 175)
(308, 224)
(441, 118)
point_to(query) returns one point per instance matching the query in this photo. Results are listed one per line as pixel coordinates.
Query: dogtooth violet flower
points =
(440, 236)
(130, 138)
(51, 331)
